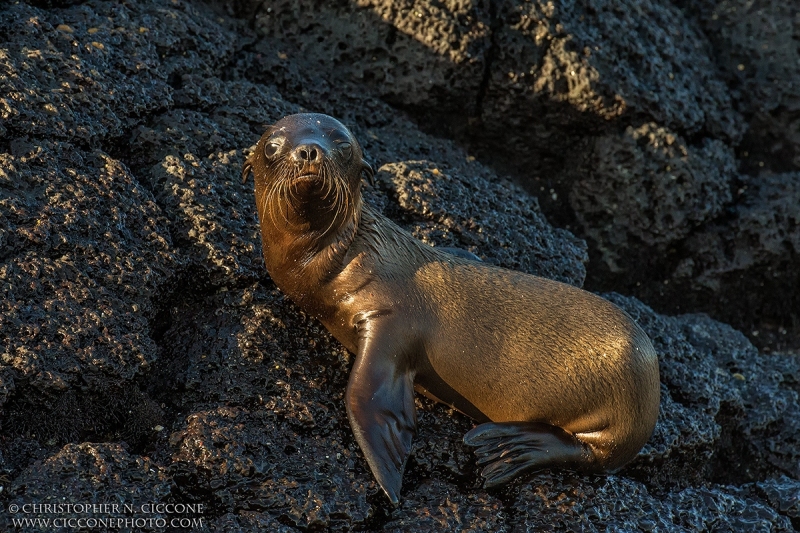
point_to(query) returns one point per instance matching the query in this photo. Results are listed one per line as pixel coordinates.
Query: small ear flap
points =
(248, 167)
(368, 172)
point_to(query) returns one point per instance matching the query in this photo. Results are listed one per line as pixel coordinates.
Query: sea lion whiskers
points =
(277, 189)
(331, 224)
(285, 194)
(328, 177)
(265, 199)
(288, 195)
(344, 196)
(341, 198)
(247, 168)
(292, 198)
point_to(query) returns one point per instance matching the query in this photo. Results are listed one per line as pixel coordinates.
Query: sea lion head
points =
(308, 170)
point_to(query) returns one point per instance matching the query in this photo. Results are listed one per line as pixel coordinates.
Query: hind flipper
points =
(509, 449)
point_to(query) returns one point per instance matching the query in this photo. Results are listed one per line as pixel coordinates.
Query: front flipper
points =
(513, 448)
(380, 403)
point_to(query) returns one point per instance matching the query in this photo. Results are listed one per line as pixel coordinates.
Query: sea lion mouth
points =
(323, 190)
(308, 176)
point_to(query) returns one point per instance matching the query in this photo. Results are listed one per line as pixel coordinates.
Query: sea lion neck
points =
(301, 262)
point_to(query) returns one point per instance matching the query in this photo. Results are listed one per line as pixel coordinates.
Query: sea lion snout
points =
(308, 158)
(307, 154)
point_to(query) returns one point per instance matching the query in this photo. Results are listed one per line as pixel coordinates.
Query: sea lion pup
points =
(557, 376)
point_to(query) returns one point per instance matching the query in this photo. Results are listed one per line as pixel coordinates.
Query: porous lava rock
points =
(147, 358)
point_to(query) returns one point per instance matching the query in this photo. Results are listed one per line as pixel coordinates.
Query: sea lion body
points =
(558, 376)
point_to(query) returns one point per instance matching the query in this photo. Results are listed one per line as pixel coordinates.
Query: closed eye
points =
(346, 149)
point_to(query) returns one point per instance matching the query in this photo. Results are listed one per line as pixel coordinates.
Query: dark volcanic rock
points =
(485, 216)
(562, 70)
(72, 75)
(618, 504)
(246, 521)
(145, 356)
(424, 55)
(642, 193)
(436, 506)
(752, 253)
(725, 405)
(85, 251)
(783, 494)
(757, 45)
(726, 267)
(105, 481)
(242, 461)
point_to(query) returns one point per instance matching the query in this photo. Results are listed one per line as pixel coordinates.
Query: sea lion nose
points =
(307, 153)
